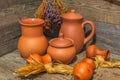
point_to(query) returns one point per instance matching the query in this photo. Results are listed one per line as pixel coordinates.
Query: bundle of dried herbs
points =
(50, 11)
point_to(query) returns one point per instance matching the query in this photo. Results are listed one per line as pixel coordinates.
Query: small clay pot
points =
(61, 49)
(93, 50)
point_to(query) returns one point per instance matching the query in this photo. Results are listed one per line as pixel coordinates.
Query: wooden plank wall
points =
(107, 11)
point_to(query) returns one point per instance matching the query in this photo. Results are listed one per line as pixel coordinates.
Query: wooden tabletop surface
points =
(11, 61)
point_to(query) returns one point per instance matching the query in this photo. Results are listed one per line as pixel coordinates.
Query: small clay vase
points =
(61, 49)
(32, 39)
(93, 50)
(73, 27)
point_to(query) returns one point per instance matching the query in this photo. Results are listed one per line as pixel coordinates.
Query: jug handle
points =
(89, 37)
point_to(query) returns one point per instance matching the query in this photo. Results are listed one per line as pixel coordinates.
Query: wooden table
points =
(11, 61)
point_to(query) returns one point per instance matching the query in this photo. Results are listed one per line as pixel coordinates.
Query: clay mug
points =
(61, 49)
(32, 39)
(73, 27)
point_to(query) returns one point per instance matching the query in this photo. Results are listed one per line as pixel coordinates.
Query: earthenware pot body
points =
(61, 49)
(32, 39)
(73, 27)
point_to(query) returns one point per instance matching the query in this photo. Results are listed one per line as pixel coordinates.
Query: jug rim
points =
(31, 21)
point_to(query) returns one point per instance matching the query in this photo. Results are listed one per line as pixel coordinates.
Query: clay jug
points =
(61, 49)
(73, 27)
(32, 39)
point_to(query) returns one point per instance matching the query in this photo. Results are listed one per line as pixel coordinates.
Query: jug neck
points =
(32, 31)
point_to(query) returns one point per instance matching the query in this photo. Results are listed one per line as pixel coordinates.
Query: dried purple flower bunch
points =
(50, 11)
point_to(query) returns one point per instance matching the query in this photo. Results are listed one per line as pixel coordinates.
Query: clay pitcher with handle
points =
(73, 27)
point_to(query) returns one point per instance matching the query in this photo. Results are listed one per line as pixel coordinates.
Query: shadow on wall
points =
(116, 2)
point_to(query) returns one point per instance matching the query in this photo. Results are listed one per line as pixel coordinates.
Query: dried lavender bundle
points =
(52, 13)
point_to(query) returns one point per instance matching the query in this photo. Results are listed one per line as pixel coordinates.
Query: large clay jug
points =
(32, 39)
(73, 27)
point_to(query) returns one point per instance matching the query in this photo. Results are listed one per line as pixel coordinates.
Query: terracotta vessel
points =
(32, 39)
(61, 49)
(73, 27)
(93, 50)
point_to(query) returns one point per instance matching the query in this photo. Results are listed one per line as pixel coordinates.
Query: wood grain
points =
(11, 61)
(98, 10)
